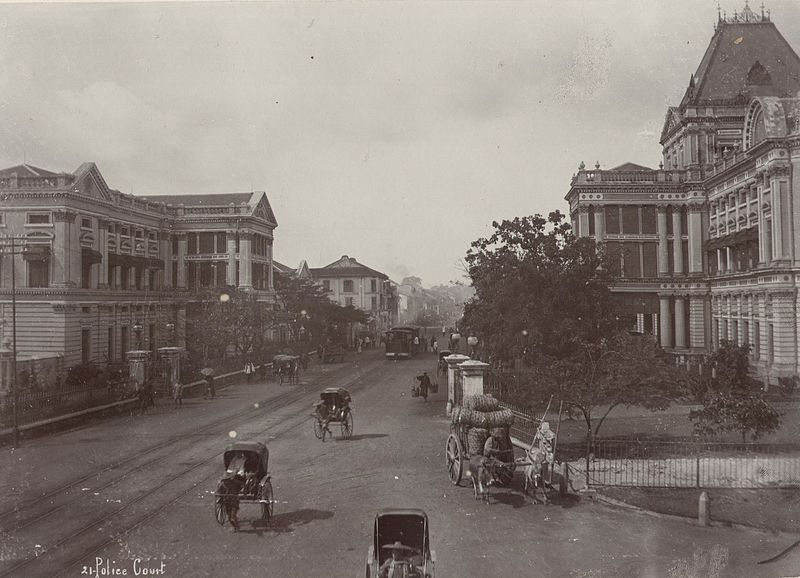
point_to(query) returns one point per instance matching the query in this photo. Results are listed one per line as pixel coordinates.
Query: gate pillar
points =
(454, 394)
(172, 358)
(473, 372)
(138, 368)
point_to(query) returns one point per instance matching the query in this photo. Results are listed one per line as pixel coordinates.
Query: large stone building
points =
(707, 247)
(105, 272)
(349, 283)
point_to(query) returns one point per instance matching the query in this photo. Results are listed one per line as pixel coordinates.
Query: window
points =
(612, 219)
(38, 274)
(649, 226)
(86, 223)
(206, 242)
(326, 285)
(348, 302)
(374, 302)
(2, 220)
(630, 220)
(39, 219)
(348, 286)
(124, 339)
(124, 231)
(110, 344)
(374, 285)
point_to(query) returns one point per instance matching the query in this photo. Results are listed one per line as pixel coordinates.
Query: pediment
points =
(671, 122)
(263, 210)
(89, 182)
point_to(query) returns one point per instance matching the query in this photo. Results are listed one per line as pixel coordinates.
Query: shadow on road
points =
(286, 523)
(358, 437)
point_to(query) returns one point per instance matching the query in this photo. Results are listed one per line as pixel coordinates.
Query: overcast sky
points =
(391, 132)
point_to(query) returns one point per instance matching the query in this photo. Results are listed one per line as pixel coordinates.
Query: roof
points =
(742, 55)
(402, 512)
(346, 267)
(202, 200)
(631, 167)
(339, 390)
(281, 268)
(25, 170)
(246, 447)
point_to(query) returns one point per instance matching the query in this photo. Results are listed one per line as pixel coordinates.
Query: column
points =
(666, 322)
(180, 327)
(728, 260)
(165, 254)
(245, 261)
(63, 276)
(720, 270)
(599, 223)
(663, 244)
(452, 364)
(783, 319)
(677, 241)
(777, 214)
(695, 224)
(680, 322)
(583, 221)
(697, 322)
(102, 239)
(473, 372)
(230, 270)
(182, 245)
(270, 280)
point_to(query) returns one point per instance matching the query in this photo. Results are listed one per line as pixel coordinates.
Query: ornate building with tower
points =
(707, 247)
(98, 273)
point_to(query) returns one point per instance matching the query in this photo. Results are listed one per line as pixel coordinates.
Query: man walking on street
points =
(424, 385)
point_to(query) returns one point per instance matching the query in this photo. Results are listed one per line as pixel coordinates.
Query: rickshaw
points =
(400, 540)
(249, 462)
(333, 407)
(286, 367)
(441, 368)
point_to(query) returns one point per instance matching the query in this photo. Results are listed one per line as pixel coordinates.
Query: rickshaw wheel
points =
(318, 429)
(267, 503)
(219, 511)
(454, 456)
(347, 425)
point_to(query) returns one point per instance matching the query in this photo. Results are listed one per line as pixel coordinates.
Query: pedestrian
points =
(416, 343)
(360, 341)
(210, 391)
(424, 384)
(444, 329)
(177, 393)
(249, 370)
(436, 347)
(433, 343)
(367, 342)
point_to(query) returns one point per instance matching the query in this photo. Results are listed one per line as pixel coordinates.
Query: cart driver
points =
(325, 414)
(398, 565)
(495, 449)
(544, 439)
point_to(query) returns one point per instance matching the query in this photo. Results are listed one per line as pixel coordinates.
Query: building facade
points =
(103, 272)
(707, 247)
(349, 283)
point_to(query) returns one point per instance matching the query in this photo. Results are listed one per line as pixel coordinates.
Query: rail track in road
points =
(275, 404)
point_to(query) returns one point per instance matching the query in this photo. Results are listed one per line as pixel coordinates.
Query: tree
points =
(730, 397)
(537, 288)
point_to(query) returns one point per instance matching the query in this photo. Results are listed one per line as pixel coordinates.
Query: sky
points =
(392, 132)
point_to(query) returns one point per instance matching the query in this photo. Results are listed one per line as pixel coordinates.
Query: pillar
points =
(583, 221)
(165, 254)
(6, 366)
(777, 215)
(677, 242)
(680, 322)
(663, 244)
(599, 223)
(453, 396)
(270, 280)
(245, 261)
(182, 246)
(230, 270)
(180, 327)
(666, 322)
(695, 224)
(172, 356)
(783, 319)
(63, 276)
(472, 373)
(102, 239)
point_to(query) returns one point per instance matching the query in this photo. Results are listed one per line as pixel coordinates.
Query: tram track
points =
(204, 430)
(295, 419)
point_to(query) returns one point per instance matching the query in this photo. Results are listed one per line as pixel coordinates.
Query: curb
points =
(674, 517)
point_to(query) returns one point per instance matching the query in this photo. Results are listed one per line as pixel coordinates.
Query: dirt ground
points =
(770, 509)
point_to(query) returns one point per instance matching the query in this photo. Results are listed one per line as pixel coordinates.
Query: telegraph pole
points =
(8, 246)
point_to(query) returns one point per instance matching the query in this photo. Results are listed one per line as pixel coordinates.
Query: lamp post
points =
(472, 341)
(9, 245)
(171, 332)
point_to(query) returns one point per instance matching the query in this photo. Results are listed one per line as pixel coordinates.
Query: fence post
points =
(702, 509)
(697, 467)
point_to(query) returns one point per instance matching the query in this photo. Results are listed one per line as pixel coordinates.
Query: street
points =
(135, 494)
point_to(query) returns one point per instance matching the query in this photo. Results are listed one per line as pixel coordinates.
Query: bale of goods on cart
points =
(478, 415)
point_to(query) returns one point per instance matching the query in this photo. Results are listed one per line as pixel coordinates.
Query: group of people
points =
(366, 342)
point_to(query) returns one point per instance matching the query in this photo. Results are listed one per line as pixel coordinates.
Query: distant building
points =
(349, 283)
(707, 247)
(105, 272)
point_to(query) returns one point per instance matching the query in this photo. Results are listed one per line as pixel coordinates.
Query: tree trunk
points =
(589, 441)
(605, 415)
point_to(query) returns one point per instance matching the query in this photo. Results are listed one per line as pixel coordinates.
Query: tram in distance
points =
(400, 342)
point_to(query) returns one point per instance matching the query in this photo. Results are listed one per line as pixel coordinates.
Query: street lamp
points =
(14, 245)
(171, 331)
(472, 341)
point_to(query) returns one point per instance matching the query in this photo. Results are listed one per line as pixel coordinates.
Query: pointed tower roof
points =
(728, 67)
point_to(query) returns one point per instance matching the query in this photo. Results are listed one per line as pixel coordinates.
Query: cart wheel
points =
(319, 431)
(347, 425)
(454, 455)
(267, 503)
(219, 511)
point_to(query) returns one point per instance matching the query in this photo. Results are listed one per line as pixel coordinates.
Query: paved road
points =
(155, 504)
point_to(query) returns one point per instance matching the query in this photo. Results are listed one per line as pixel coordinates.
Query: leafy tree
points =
(730, 397)
(537, 289)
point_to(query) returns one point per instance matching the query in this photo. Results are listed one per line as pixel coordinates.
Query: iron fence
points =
(39, 405)
(692, 464)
